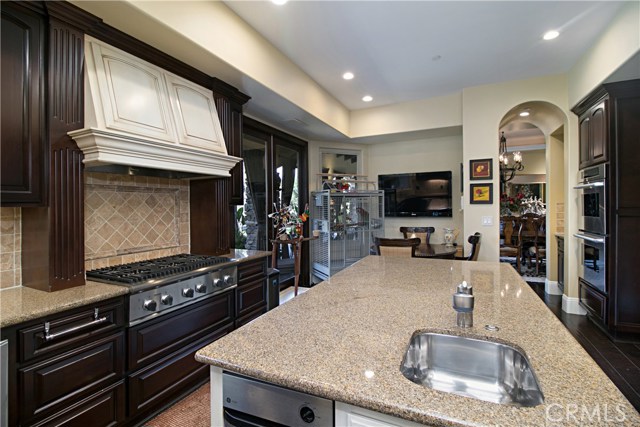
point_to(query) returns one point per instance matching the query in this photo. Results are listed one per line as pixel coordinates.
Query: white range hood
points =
(137, 114)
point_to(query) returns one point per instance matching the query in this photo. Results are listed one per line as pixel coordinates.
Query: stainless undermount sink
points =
(484, 370)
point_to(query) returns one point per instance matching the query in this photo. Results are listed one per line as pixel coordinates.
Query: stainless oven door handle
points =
(589, 185)
(589, 239)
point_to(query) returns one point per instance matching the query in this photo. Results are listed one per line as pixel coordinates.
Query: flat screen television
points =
(417, 194)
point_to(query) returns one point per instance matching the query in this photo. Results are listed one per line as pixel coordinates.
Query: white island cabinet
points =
(353, 416)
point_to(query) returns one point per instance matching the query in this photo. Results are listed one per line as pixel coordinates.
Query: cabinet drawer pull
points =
(96, 321)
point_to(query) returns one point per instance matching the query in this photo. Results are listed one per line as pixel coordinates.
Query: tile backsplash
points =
(134, 218)
(560, 217)
(10, 247)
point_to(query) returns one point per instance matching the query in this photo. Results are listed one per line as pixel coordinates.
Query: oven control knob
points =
(307, 414)
(217, 283)
(166, 299)
(187, 292)
(201, 288)
(228, 280)
(149, 305)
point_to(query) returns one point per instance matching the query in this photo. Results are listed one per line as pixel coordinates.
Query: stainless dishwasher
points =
(251, 403)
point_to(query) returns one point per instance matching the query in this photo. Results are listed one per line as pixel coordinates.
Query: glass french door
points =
(275, 172)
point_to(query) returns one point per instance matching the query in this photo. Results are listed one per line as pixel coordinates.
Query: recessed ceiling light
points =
(348, 75)
(279, 2)
(367, 98)
(524, 113)
(550, 35)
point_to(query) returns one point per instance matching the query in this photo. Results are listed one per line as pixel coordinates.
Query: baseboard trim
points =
(571, 305)
(551, 287)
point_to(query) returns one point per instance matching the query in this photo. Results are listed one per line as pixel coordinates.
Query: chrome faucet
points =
(463, 301)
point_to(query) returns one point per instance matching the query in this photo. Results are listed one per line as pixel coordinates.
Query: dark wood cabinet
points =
(52, 385)
(613, 113)
(251, 293)
(23, 135)
(162, 365)
(104, 408)
(594, 134)
(152, 340)
(229, 102)
(53, 236)
(560, 241)
(593, 301)
(75, 373)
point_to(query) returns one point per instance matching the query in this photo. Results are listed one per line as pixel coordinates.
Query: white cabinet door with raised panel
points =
(194, 110)
(352, 416)
(133, 93)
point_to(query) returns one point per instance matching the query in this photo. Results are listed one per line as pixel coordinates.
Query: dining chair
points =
(534, 229)
(511, 245)
(396, 247)
(422, 233)
(474, 239)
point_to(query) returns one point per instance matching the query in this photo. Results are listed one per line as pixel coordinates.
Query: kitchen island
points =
(345, 339)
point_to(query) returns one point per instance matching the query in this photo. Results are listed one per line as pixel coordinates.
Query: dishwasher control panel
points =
(246, 399)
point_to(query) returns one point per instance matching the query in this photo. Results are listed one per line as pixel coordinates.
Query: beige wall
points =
(433, 113)
(483, 109)
(619, 42)
(555, 201)
(534, 162)
(432, 154)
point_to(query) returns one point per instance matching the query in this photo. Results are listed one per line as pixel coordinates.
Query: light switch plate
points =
(487, 221)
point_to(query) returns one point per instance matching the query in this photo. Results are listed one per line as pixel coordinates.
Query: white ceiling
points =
(390, 45)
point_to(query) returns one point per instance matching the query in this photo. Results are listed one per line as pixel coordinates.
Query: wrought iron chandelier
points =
(508, 169)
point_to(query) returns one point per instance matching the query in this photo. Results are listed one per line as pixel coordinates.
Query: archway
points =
(536, 130)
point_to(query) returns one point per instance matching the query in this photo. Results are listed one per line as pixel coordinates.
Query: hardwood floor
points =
(620, 361)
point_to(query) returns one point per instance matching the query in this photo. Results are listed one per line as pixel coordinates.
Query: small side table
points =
(297, 255)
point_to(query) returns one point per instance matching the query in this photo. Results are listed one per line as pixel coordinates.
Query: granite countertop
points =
(361, 320)
(21, 304)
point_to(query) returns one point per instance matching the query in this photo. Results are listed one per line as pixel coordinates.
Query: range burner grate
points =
(141, 271)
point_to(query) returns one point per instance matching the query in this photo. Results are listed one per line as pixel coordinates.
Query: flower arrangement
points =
(510, 205)
(288, 222)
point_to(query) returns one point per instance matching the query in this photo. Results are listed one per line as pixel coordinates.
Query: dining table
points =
(436, 250)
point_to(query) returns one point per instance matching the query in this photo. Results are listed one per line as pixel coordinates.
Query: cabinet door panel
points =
(195, 111)
(133, 93)
(168, 377)
(250, 270)
(23, 134)
(592, 301)
(33, 344)
(584, 142)
(628, 152)
(598, 135)
(53, 384)
(152, 340)
(106, 408)
(251, 296)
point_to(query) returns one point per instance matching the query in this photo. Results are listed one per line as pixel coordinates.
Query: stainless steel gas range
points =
(162, 285)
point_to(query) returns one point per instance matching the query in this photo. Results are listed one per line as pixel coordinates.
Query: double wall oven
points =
(592, 237)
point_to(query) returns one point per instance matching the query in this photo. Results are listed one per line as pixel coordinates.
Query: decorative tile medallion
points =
(129, 219)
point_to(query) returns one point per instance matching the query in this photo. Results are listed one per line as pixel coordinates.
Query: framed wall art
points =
(481, 194)
(481, 169)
